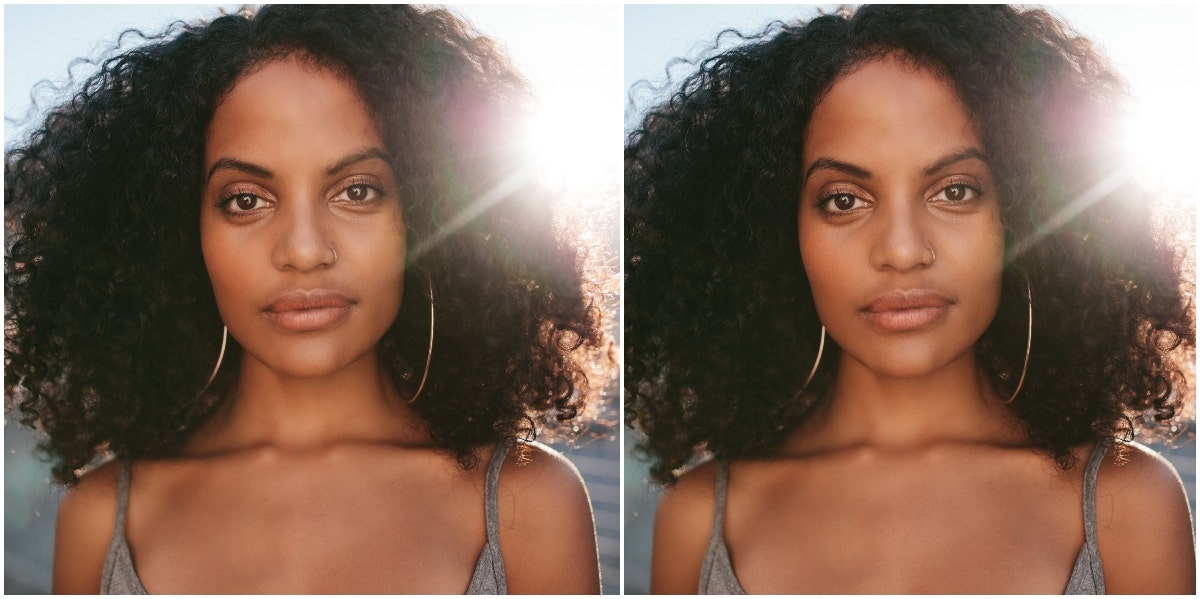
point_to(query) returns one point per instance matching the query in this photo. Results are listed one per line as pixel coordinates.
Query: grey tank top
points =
(1087, 577)
(120, 577)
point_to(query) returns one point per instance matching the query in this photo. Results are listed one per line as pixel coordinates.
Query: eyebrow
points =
(265, 173)
(956, 157)
(837, 165)
(355, 158)
(862, 173)
(238, 165)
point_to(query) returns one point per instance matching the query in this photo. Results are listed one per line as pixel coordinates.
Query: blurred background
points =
(568, 53)
(1154, 47)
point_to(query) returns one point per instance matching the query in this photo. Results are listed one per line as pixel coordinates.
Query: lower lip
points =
(903, 321)
(303, 321)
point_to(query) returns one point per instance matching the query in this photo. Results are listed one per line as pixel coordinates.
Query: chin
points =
(316, 363)
(905, 364)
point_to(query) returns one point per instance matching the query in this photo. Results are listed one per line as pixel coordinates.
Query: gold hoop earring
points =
(220, 357)
(817, 363)
(429, 355)
(1028, 342)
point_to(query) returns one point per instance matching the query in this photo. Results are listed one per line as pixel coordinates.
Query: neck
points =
(268, 409)
(955, 403)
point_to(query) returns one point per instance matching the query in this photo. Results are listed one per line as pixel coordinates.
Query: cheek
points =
(224, 259)
(391, 248)
(827, 265)
(983, 249)
(383, 250)
(832, 287)
(387, 270)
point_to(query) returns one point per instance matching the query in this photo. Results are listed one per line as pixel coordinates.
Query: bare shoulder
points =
(682, 527)
(547, 534)
(84, 529)
(1143, 524)
(691, 499)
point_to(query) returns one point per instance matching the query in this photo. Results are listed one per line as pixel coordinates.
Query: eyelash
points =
(823, 202)
(361, 182)
(227, 200)
(978, 193)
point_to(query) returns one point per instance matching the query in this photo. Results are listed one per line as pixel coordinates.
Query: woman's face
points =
(900, 231)
(301, 222)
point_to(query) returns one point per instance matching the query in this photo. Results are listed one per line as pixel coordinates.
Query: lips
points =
(903, 311)
(303, 311)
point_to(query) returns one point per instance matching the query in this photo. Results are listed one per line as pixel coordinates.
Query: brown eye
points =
(843, 201)
(245, 201)
(357, 193)
(957, 193)
(240, 203)
(360, 193)
(840, 203)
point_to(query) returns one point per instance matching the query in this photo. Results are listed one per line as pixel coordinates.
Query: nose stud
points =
(932, 255)
(334, 250)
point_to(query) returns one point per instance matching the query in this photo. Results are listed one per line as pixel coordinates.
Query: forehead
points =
(290, 102)
(889, 108)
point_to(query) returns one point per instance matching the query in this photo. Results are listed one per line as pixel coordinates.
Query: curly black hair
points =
(111, 325)
(720, 325)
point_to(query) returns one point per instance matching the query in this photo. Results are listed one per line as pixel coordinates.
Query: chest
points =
(904, 532)
(331, 533)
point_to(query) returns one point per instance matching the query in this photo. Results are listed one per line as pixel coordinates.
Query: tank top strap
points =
(1087, 577)
(489, 577)
(1089, 493)
(124, 472)
(716, 571)
(118, 564)
(720, 491)
(491, 494)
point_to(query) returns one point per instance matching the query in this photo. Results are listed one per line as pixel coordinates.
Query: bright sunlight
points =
(575, 136)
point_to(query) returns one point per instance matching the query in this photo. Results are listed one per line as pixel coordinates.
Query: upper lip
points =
(309, 300)
(912, 299)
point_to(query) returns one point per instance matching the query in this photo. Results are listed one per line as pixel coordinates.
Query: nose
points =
(901, 241)
(304, 240)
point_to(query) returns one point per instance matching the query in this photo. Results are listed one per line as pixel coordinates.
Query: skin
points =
(317, 478)
(915, 478)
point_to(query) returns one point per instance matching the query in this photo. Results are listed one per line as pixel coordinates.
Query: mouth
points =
(904, 311)
(304, 311)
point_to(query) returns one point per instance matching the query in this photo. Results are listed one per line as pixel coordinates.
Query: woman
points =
(247, 260)
(879, 269)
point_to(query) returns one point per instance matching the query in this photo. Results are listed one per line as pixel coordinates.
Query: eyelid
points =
(833, 189)
(361, 180)
(967, 180)
(240, 189)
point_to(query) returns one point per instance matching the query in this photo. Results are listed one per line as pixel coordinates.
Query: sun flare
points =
(1160, 141)
(573, 138)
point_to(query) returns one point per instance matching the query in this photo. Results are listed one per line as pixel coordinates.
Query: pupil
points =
(358, 192)
(843, 202)
(955, 193)
(245, 202)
